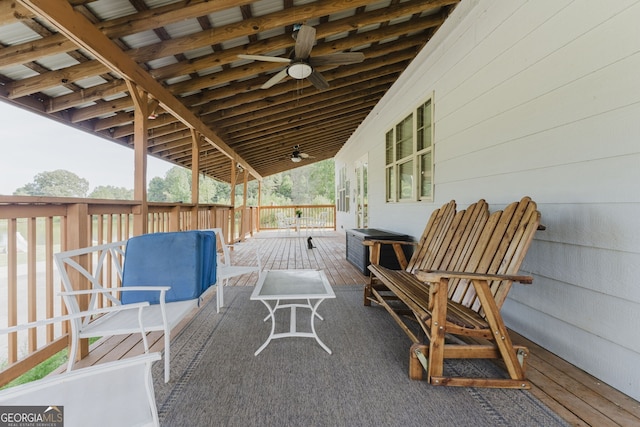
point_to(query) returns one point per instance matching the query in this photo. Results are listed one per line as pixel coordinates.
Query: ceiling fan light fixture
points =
(296, 159)
(299, 70)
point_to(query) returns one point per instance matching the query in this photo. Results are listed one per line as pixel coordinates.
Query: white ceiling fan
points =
(298, 155)
(301, 64)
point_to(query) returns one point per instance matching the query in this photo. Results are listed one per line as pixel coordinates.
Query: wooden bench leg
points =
(367, 294)
(415, 365)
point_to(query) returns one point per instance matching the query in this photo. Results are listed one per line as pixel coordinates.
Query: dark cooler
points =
(358, 254)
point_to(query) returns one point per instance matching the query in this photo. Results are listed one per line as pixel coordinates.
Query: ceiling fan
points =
(297, 155)
(301, 64)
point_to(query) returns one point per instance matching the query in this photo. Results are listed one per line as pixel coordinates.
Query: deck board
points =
(579, 398)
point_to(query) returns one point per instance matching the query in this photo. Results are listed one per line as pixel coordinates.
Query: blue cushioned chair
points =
(170, 271)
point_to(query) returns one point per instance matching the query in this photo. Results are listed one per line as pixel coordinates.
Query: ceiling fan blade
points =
(265, 58)
(337, 59)
(304, 41)
(275, 79)
(304, 155)
(318, 81)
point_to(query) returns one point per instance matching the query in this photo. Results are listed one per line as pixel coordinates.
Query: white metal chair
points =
(114, 393)
(318, 223)
(163, 316)
(284, 223)
(226, 270)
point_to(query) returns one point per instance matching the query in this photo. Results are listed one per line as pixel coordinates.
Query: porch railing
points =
(32, 229)
(317, 213)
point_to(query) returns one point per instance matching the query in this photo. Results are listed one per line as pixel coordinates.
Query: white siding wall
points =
(537, 98)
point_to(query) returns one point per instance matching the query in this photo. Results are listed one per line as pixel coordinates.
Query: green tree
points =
(214, 191)
(309, 184)
(58, 183)
(322, 181)
(111, 192)
(156, 191)
(178, 185)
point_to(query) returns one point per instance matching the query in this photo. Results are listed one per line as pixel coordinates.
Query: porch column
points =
(140, 142)
(77, 236)
(259, 205)
(233, 202)
(244, 221)
(195, 177)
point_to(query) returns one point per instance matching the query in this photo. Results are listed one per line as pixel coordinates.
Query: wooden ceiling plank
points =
(283, 122)
(51, 79)
(168, 137)
(102, 108)
(31, 51)
(12, 11)
(162, 16)
(83, 96)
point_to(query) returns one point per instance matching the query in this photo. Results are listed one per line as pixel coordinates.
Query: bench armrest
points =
(436, 275)
(372, 242)
(376, 247)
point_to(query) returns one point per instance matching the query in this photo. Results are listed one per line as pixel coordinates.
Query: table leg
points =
(293, 332)
(273, 326)
(314, 313)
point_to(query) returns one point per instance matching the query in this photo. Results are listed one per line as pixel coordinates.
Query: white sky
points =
(30, 144)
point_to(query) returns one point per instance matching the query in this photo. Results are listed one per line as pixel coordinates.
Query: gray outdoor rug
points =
(217, 381)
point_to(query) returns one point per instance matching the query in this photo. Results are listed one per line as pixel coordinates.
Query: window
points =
(343, 191)
(409, 159)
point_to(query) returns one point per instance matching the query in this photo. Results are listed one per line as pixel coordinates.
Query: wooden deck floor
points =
(578, 397)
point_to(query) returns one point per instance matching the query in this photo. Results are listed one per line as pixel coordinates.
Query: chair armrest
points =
(118, 289)
(81, 314)
(436, 275)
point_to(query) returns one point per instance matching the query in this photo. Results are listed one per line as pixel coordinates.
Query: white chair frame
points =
(114, 393)
(226, 270)
(285, 224)
(157, 317)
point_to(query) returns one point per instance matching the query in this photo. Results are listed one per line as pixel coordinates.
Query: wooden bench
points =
(454, 286)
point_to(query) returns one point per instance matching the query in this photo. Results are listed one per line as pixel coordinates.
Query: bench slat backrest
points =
(475, 241)
(431, 241)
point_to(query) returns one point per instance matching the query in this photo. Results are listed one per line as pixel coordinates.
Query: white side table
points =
(290, 285)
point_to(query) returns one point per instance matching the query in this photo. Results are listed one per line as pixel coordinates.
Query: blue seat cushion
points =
(185, 261)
